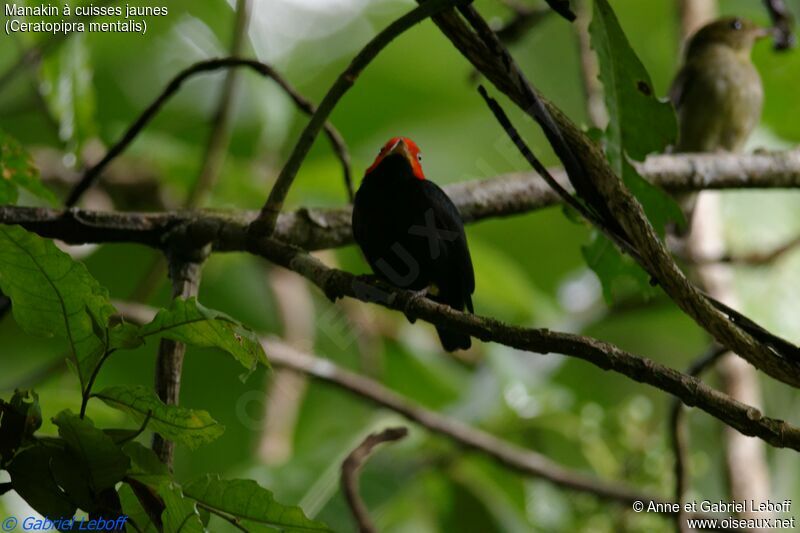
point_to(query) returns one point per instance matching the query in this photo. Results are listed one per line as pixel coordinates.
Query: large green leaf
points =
(620, 276)
(250, 502)
(53, 295)
(136, 513)
(180, 513)
(186, 426)
(100, 458)
(145, 465)
(188, 321)
(639, 124)
(17, 170)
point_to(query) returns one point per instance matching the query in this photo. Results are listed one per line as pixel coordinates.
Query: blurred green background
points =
(529, 268)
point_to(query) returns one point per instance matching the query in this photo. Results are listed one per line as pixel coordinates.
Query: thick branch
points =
(336, 283)
(351, 467)
(315, 229)
(93, 173)
(267, 219)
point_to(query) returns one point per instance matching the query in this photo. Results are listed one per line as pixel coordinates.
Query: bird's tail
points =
(452, 340)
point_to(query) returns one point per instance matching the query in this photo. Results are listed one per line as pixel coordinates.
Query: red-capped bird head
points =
(404, 147)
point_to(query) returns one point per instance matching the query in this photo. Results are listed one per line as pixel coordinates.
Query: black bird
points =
(412, 234)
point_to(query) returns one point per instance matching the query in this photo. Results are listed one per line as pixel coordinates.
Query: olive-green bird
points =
(717, 93)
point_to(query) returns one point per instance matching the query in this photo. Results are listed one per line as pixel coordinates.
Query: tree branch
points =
(315, 229)
(680, 438)
(184, 271)
(267, 219)
(351, 468)
(336, 283)
(93, 173)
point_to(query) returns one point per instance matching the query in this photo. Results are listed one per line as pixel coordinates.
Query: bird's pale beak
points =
(401, 148)
(763, 33)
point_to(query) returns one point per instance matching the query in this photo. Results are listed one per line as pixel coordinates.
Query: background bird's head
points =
(733, 32)
(400, 149)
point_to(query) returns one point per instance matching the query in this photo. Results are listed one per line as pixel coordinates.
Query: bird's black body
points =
(412, 235)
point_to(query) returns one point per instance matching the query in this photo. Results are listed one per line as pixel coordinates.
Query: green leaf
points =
(124, 336)
(620, 276)
(66, 77)
(145, 465)
(250, 502)
(180, 513)
(102, 460)
(133, 508)
(185, 426)
(17, 170)
(53, 295)
(639, 124)
(189, 322)
(32, 478)
(20, 419)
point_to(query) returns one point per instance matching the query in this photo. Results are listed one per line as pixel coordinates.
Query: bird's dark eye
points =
(736, 24)
(419, 157)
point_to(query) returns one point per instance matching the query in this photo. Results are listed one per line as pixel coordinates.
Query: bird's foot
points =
(413, 297)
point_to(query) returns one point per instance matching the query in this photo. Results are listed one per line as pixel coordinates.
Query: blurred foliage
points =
(529, 269)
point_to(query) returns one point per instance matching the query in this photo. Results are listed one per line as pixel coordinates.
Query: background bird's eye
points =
(419, 157)
(736, 24)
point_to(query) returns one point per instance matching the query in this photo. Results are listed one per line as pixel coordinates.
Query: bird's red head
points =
(404, 147)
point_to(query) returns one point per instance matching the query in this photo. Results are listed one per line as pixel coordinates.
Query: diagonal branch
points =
(267, 219)
(619, 210)
(691, 391)
(93, 173)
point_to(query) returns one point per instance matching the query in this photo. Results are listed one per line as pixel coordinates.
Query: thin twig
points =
(783, 22)
(93, 173)
(753, 259)
(351, 468)
(562, 8)
(680, 438)
(267, 219)
(216, 148)
(523, 20)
